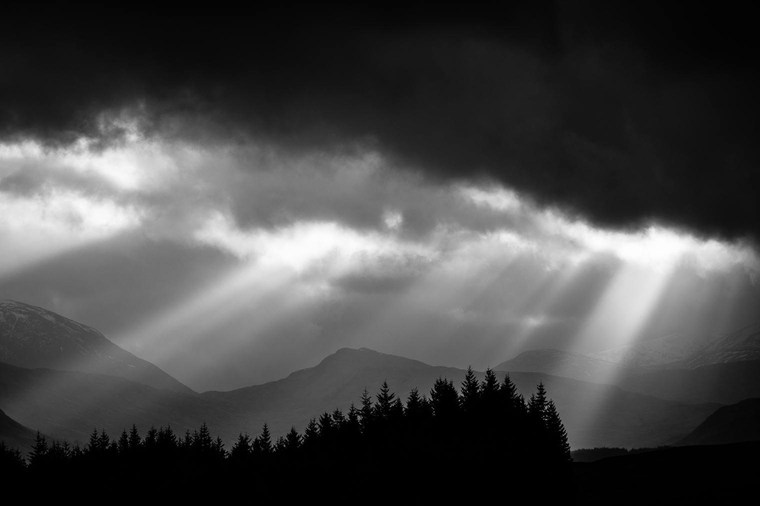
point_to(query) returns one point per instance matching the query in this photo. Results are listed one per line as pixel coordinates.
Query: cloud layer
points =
(625, 116)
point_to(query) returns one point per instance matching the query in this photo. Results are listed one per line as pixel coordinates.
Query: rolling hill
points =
(730, 424)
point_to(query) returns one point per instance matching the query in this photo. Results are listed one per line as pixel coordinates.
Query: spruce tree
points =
(241, 450)
(292, 440)
(470, 398)
(311, 434)
(385, 399)
(262, 445)
(325, 425)
(134, 438)
(123, 442)
(413, 408)
(556, 433)
(338, 418)
(444, 399)
(538, 404)
(104, 442)
(367, 410)
(93, 445)
(353, 420)
(202, 441)
(490, 389)
(39, 450)
(151, 438)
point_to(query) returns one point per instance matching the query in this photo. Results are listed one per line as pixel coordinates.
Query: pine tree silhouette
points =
(292, 440)
(39, 451)
(241, 450)
(311, 434)
(484, 444)
(367, 410)
(444, 399)
(538, 404)
(385, 400)
(470, 398)
(556, 433)
(134, 438)
(123, 442)
(262, 445)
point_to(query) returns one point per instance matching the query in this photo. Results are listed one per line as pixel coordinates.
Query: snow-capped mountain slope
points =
(34, 337)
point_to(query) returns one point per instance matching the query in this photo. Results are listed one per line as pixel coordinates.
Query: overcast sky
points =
(233, 198)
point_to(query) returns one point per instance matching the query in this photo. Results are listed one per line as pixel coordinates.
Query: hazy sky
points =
(236, 197)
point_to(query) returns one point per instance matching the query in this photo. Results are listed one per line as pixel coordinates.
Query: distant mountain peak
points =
(34, 337)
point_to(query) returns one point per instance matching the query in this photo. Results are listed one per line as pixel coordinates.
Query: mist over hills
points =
(723, 383)
(641, 411)
(70, 404)
(34, 337)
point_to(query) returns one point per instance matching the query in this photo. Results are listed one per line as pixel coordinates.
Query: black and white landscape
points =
(341, 246)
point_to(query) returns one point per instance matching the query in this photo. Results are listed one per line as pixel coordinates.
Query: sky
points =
(234, 197)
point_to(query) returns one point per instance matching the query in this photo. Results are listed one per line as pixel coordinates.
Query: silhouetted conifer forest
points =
(483, 441)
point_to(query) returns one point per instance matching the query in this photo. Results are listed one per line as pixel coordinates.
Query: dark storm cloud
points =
(622, 114)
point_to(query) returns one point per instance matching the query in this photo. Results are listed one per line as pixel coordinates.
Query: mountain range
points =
(64, 396)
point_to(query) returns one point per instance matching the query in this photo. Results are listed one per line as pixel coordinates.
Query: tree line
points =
(472, 442)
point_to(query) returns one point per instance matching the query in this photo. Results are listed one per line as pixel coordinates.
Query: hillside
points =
(723, 383)
(729, 424)
(34, 337)
(562, 363)
(15, 435)
(69, 405)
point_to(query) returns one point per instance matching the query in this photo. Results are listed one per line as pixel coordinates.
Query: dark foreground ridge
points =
(468, 443)
(713, 474)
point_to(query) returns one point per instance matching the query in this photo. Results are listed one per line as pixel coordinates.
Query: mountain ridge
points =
(34, 337)
(66, 404)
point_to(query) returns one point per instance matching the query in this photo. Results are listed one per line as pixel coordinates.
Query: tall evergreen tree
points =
(39, 450)
(241, 450)
(385, 399)
(134, 438)
(444, 399)
(490, 388)
(123, 442)
(556, 433)
(151, 438)
(537, 405)
(367, 410)
(292, 440)
(353, 420)
(413, 408)
(325, 425)
(311, 434)
(93, 446)
(202, 440)
(262, 445)
(470, 398)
